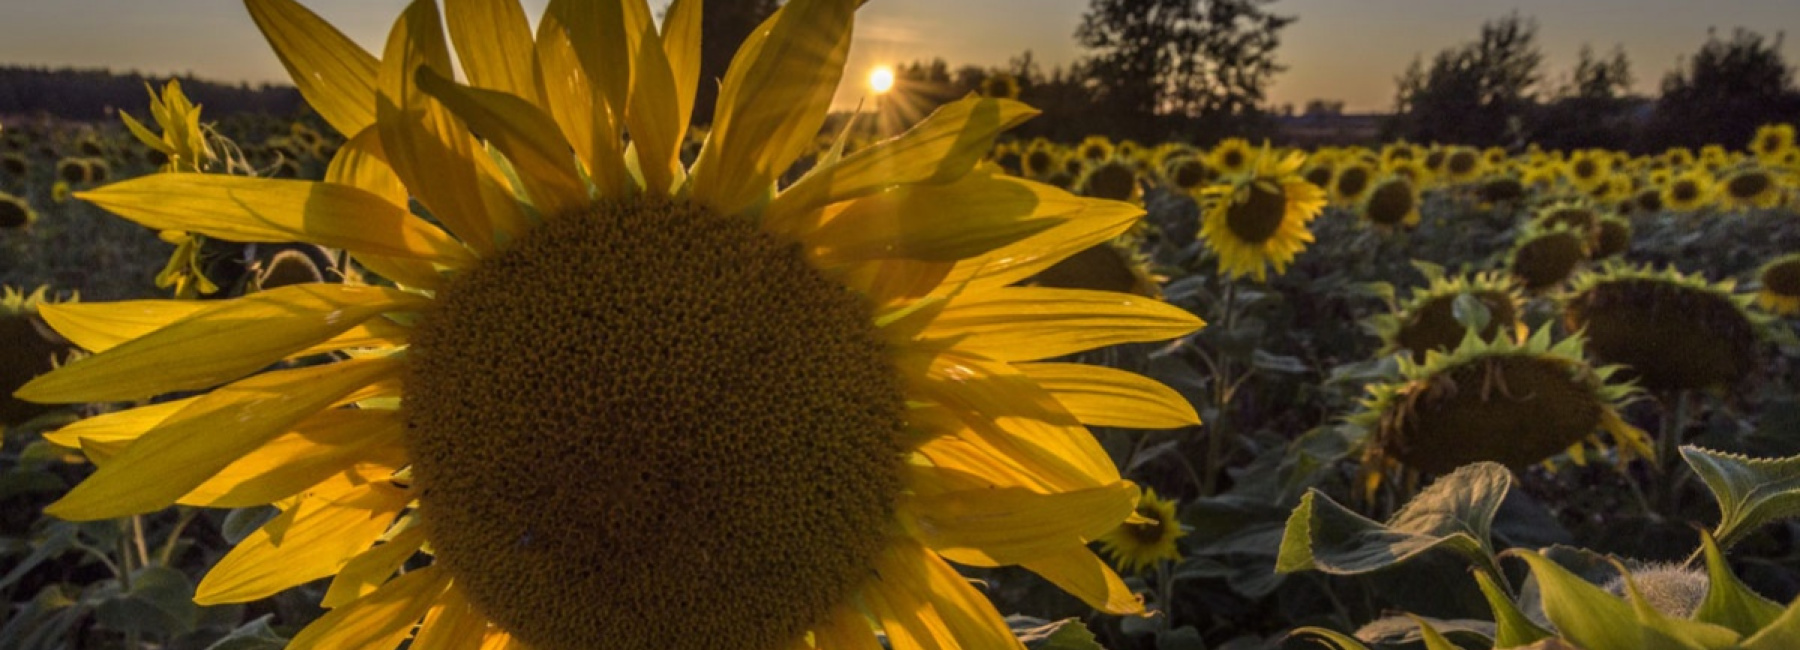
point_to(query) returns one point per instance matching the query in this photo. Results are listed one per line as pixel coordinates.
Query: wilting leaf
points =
(1751, 491)
(1456, 513)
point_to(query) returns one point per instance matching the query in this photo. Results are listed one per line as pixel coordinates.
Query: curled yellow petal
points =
(1109, 397)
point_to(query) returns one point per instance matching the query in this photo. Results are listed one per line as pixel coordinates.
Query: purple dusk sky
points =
(1347, 50)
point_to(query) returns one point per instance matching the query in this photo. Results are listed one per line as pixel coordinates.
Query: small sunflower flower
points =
(1138, 544)
(1260, 219)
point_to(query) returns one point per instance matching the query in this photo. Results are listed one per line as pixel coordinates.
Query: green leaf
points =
(161, 602)
(1410, 628)
(1470, 311)
(1434, 640)
(1593, 619)
(1066, 634)
(1278, 363)
(1511, 626)
(255, 635)
(1783, 634)
(1728, 601)
(1332, 638)
(1456, 512)
(1751, 491)
(1181, 638)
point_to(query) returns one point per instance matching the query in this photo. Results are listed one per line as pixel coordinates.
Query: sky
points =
(1346, 50)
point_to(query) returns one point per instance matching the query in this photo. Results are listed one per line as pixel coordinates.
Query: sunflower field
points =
(500, 351)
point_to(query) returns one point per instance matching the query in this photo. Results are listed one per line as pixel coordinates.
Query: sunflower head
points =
(1319, 170)
(1648, 200)
(1093, 149)
(1780, 280)
(1040, 160)
(1428, 320)
(1233, 156)
(14, 165)
(1751, 187)
(1352, 182)
(73, 171)
(1542, 258)
(1672, 330)
(1392, 203)
(1260, 219)
(1772, 140)
(98, 171)
(1114, 178)
(15, 213)
(1501, 190)
(1149, 537)
(1463, 164)
(617, 400)
(32, 348)
(1588, 169)
(1188, 173)
(1119, 266)
(1612, 238)
(1513, 403)
(1689, 191)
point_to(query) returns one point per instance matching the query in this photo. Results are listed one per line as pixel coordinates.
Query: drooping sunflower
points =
(1137, 545)
(1232, 157)
(1393, 203)
(15, 213)
(625, 402)
(31, 349)
(1689, 191)
(1114, 178)
(1504, 189)
(1260, 219)
(73, 171)
(1780, 280)
(1428, 320)
(1118, 266)
(1513, 403)
(1612, 238)
(1673, 330)
(1543, 258)
(14, 165)
(1750, 187)
(1187, 173)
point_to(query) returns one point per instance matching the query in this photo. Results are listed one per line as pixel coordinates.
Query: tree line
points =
(94, 94)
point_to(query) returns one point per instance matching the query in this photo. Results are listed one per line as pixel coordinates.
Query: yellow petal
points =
(772, 102)
(322, 533)
(1083, 574)
(932, 223)
(98, 326)
(227, 340)
(273, 211)
(586, 119)
(360, 163)
(493, 42)
(380, 620)
(215, 430)
(431, 151)
(1007, 415)
(365, 573)
(959, 464)
(681, 43)
(334, 75)
(846, 629)
(143, 134)
(924, 603)
(1031, 323)
(1085, 224)
(452, 624)
(1004, 526)
(652, 116)
(118, 426)
(1109, 397)
(942, 148)
(527, 136)
(367, 443)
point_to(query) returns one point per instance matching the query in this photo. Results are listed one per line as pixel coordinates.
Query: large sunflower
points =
(620, 401)
(1261, 218)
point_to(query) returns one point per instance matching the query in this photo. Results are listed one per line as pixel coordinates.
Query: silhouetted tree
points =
(724, 24)
(93, 94)
(1477, 93)
(1724, 92)
(1592, 108)
(1195, 67)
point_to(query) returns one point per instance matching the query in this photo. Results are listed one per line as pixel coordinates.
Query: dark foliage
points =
(94, 95)
(1722, 94)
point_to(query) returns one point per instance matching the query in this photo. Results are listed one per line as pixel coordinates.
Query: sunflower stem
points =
(1669, 449)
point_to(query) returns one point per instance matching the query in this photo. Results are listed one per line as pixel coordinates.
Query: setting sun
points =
(882, 79)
